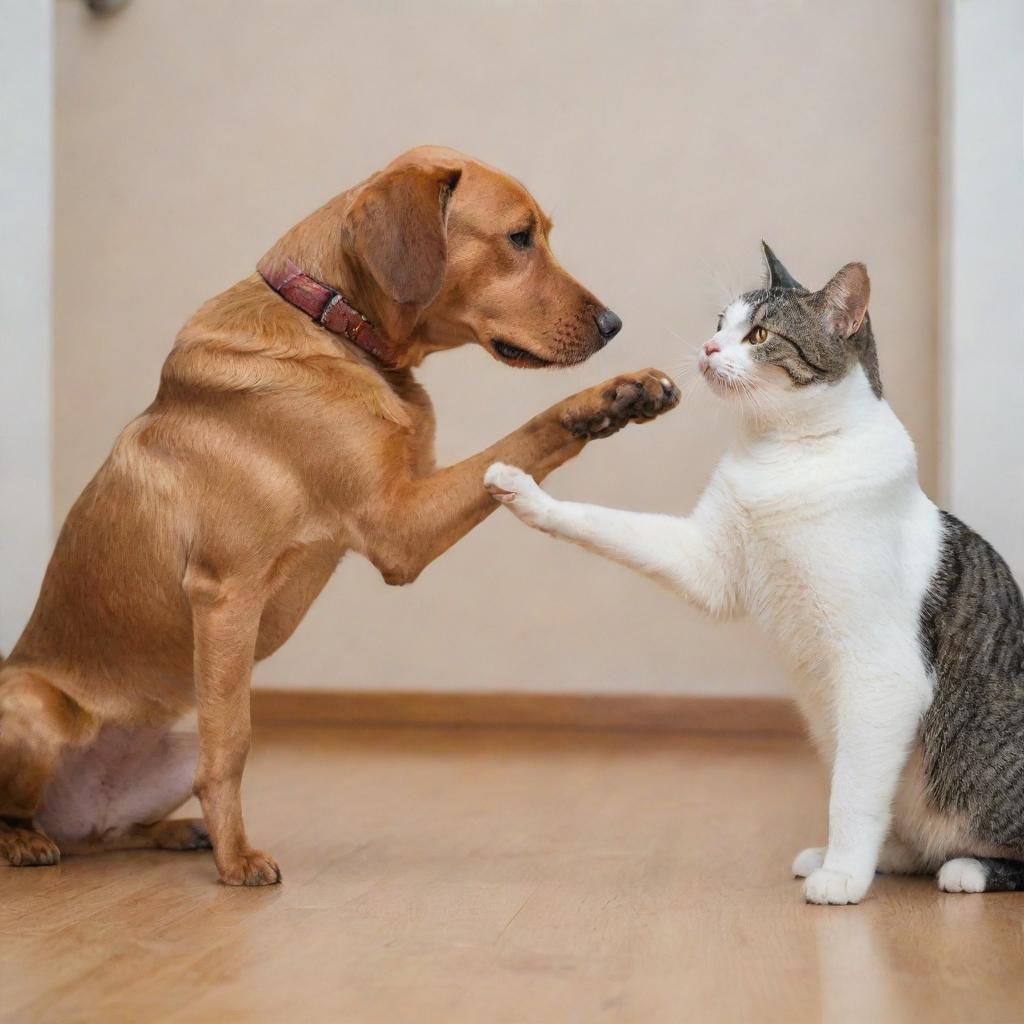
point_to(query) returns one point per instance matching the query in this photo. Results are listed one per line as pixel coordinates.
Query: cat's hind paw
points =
(962, 874)
(808, 861)
(836, 888)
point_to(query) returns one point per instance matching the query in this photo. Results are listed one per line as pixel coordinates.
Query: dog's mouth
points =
(516, 356)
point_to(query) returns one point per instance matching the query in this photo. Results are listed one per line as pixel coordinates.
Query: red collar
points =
(328, 308)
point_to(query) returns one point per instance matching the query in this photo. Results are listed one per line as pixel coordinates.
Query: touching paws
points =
(837, 888)
(506, 483)
(518, 490)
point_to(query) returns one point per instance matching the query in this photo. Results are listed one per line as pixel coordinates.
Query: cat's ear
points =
(844, 300)
(776, 275)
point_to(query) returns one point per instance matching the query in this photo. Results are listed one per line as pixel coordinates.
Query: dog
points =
(288, 430)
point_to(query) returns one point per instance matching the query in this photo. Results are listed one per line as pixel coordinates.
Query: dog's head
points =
(440, 250)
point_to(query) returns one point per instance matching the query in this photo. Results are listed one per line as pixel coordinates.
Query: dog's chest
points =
(424, 426)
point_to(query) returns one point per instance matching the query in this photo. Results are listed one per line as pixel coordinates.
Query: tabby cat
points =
(904, 629)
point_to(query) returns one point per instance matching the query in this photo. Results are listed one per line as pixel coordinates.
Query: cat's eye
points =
(521, 239)
(757, 335)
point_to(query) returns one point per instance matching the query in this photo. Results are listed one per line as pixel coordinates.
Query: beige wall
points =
(26, 198)
(665, 137)
(983, 472)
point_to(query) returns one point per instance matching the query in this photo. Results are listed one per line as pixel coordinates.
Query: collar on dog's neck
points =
(328, 307)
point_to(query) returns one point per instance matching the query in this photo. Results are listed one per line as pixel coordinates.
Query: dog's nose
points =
(608, 325)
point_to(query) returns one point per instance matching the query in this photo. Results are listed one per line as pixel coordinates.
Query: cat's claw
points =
(516, 489)
(506, 483)
(837, 888)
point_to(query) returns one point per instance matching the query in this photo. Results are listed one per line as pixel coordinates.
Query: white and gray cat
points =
(904, 629)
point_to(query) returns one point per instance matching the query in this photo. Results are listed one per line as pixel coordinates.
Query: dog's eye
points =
(757, 335)
(521, 239)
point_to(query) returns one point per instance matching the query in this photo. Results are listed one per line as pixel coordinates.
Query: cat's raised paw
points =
(835, 888)
(506, 483)
(808, 860)
(518, 490)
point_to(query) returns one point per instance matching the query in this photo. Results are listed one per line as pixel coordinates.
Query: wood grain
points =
(506, 876)
(736, 715)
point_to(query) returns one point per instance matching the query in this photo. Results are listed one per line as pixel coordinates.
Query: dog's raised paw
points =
(630, 397)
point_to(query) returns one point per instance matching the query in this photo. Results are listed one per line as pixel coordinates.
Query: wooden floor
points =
(492, 876)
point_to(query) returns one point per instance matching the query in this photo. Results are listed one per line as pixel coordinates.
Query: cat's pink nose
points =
(711, 347)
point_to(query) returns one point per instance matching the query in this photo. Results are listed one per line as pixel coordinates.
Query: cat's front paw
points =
(516, 489)
(808, 861)
(837, 888)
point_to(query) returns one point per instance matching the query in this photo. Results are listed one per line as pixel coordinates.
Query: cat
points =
(903, 629)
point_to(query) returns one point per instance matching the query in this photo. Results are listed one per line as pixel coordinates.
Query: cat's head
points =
(783, 340)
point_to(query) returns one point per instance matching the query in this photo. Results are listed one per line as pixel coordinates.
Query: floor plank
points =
(465, 875)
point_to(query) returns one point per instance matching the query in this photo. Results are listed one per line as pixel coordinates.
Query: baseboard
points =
(744, 715)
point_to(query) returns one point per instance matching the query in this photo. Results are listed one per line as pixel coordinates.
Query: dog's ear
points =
(398, 228)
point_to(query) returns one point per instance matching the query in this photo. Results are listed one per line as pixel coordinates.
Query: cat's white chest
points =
(838, 544)
(796, 537)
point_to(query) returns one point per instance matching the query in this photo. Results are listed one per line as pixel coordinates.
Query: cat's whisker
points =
(756, 403)
(678, 337)
(725, 290)
(684, 371)
(689, 390)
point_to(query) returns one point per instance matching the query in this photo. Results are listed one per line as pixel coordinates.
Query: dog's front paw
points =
(838, 888)
(251, 868)
(516, 489)
(27, 847)
(631, 397)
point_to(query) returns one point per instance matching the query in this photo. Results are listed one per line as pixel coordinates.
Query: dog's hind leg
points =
(38, 722)
(116, 794)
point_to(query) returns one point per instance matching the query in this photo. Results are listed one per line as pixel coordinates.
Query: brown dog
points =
(275, 446)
